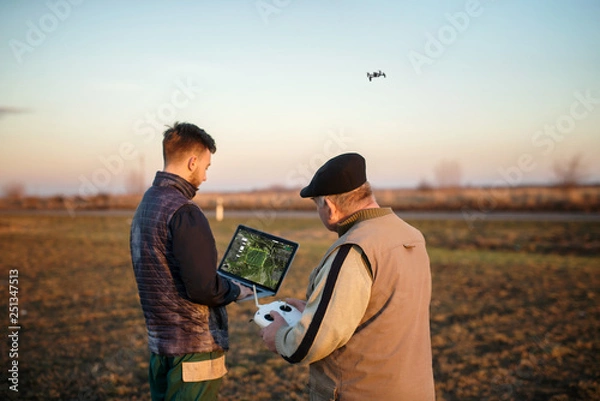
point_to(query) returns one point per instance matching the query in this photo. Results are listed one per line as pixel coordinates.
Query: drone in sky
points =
(375, 74)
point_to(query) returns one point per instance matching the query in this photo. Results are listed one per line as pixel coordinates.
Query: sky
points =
(504, 90)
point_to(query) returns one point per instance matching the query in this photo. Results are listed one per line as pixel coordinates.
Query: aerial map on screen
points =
(257, 258)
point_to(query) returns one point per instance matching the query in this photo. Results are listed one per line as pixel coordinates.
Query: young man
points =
(365, 325)
(175, 263)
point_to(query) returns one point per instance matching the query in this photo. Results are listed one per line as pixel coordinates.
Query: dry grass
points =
(515, 313)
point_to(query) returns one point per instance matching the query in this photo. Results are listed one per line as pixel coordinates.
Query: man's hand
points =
(244, 291)
(269, 332)
(296, 303)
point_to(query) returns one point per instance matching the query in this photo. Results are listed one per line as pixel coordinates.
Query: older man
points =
(364, 329)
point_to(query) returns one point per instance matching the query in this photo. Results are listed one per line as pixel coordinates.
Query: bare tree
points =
(14, 190)
(135, 179)
(135, 182)
(448, 174)
(424, 185)
(569, 173)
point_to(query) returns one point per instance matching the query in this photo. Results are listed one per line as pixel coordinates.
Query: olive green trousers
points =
(190, 377)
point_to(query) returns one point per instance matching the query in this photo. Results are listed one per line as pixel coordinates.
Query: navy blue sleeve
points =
(195, 250)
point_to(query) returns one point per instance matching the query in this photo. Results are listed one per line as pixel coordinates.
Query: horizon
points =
(476, 93)
(19, 194)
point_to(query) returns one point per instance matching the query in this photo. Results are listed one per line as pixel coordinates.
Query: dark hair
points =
(182, 137)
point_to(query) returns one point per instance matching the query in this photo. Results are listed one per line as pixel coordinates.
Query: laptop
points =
(258, 260)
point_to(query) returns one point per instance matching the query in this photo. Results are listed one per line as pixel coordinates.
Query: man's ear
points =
(334, 213)
(192, 161)
(331, 208)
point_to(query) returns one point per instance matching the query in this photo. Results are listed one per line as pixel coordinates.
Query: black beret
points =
(341, 174)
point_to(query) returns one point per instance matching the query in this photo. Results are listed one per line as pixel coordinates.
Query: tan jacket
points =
(374, 283)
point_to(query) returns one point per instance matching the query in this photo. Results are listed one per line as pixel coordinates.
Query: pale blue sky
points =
(86, 88)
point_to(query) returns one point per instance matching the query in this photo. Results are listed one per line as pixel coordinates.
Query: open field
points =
(465, 199)
(515, 310)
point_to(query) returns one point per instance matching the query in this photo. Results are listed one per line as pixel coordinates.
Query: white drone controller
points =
(263, 317)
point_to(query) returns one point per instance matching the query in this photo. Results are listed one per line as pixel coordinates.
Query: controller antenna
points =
(255, 296)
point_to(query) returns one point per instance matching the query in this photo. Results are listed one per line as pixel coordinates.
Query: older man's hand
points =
(268, 333)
